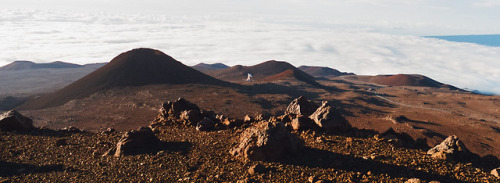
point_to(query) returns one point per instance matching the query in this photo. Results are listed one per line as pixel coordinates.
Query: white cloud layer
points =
(44, 36)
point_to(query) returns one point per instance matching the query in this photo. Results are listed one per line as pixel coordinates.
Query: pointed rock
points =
(450, 148)
(329, 119)
(301, 106)
(13, 120)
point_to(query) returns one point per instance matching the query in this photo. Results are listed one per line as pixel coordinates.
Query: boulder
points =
(450, 149)
(180, 105)
(329, 119)
(205, 125)
(301, 106)
(173, 110)
(262, 117)
(70, 129)
(247, 119)
(13, 120)
(302, 123)
(267, 141)
(496, 172)
(190, 116)
(285, 118)
(134, 142)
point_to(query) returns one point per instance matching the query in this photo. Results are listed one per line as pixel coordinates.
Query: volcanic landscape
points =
(146, 117)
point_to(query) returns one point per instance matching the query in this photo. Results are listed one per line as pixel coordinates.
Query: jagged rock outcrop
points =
(301, 106)
(13, 120)
(180, 110)
(134, 142)
(267, 141)
(329, 119)
(450, 149)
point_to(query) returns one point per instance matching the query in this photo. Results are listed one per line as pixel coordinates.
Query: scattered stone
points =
(13, 120)
(413, 180)
(450, 148)
(496, 172)
(71, 129)
(247, 119)
(61, 142)
(134, 142)
(247, 180)
(205, 125)
(231, 123)
(301, 106)
(302, 123)
(108, 131)
(329, 119)
(312, 179)
(262, 117)
(258, 168)
(267, 141)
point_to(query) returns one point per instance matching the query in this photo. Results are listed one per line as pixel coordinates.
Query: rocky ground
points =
(188, 155)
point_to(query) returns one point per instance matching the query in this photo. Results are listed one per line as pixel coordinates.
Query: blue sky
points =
(360, 36)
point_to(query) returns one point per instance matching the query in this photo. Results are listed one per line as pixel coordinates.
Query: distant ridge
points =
(318, 72)
(267, 71)
(137, 67)
(203, 67)
(408, 80)
(26, 65)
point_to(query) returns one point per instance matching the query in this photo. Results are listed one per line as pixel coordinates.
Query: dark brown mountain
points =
(266, 71)
(406, 80)
(137, 67)
(318, 72)
(26, 65)
(203, 67)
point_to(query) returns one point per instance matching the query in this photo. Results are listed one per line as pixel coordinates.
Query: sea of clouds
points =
(44, 36)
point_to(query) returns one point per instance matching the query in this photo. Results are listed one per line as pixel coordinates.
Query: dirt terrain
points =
(128, 92)
(192, 156)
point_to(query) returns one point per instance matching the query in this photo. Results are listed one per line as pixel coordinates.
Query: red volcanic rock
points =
(301, 106)
(329, 119)
(137, 67)
(13, 120)
(267, 142)
(450, 148)
(134, 142)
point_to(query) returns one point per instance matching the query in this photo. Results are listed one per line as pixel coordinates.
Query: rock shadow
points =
(8, 169)
(317, 158)
(181, 147)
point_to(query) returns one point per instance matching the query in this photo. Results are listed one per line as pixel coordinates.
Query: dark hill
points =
(203, 67)
(25, 65)
(266, 71)
(137, 67)
(318, 72)
(406, 80)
